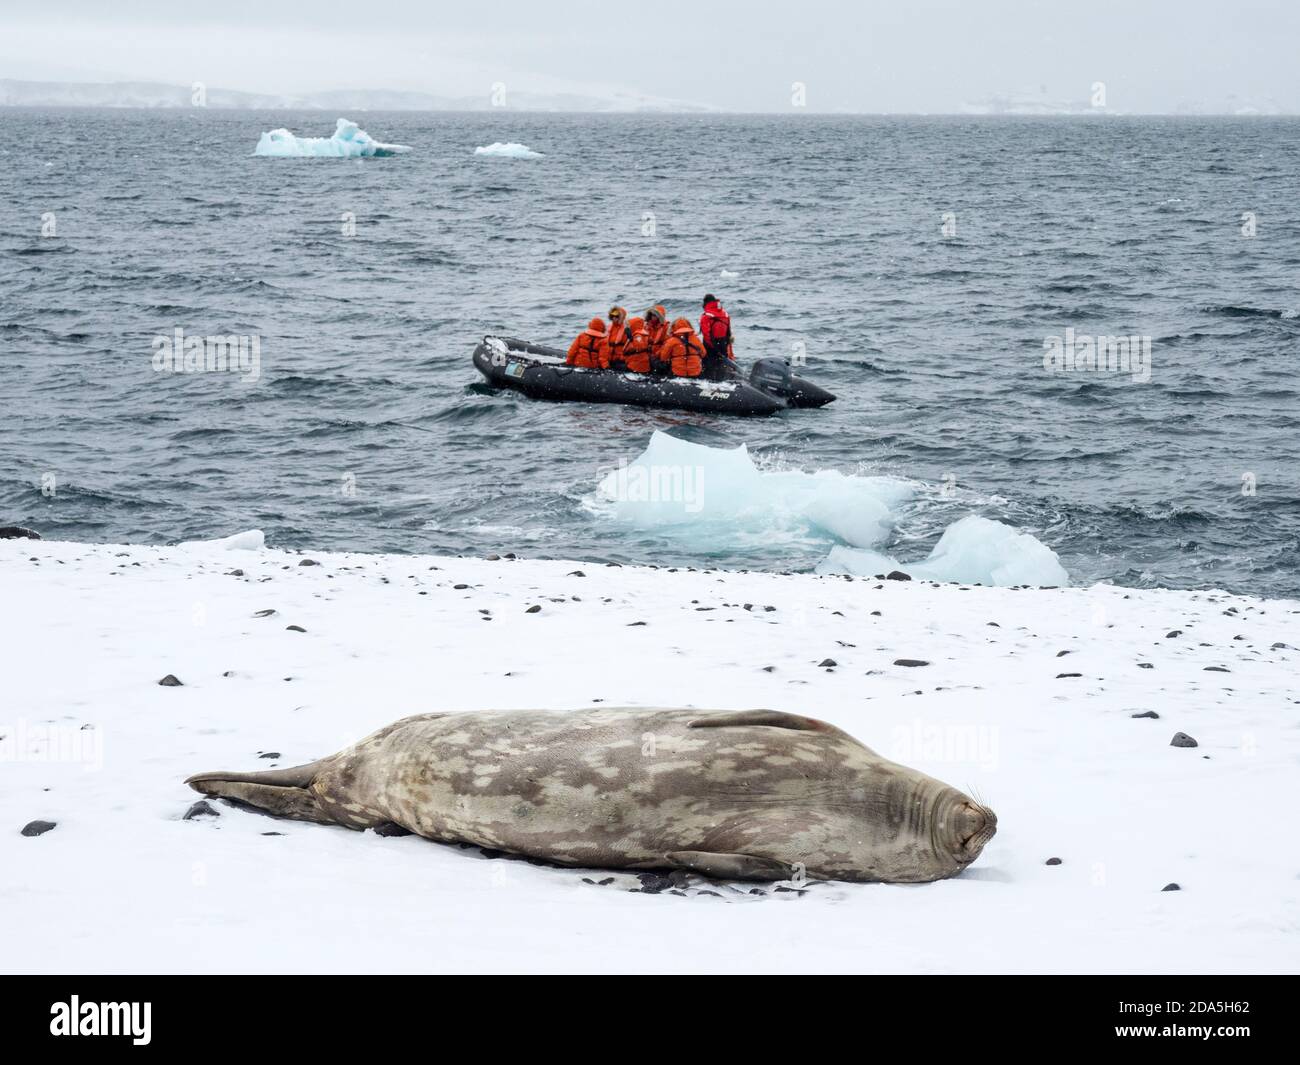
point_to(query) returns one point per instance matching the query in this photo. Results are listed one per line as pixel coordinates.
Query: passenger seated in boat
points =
(588, 348)
(637, 352)
(616, 340)
(656, 324)
(683, 351)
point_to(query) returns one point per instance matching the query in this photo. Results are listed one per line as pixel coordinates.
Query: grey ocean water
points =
(832, 228)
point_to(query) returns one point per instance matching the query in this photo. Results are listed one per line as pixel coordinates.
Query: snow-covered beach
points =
(1027, 698)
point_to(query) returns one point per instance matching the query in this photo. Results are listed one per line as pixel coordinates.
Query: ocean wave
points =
(1233, 310)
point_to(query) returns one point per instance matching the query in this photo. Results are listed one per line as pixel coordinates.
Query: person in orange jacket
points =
(588, 348)
(637, 352)
(656, 324)
(683, 351)
(616, 340)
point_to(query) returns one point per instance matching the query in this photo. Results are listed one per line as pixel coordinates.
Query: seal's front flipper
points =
(730, 866)
(281, 792)
(771, 718)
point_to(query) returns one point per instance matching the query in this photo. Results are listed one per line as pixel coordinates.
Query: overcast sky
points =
(853, 55)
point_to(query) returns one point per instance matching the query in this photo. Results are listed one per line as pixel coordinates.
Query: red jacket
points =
(715, 329)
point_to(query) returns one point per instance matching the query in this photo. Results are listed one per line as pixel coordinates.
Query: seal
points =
(748, 795)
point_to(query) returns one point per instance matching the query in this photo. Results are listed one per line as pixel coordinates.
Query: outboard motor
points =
(773, 377)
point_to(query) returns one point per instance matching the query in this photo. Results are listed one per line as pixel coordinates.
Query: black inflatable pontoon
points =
(540, 372)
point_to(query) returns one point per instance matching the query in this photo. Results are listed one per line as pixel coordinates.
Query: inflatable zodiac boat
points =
(540, 372)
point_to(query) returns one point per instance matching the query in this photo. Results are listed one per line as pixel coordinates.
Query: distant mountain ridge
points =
(1031, 103)
(16, 93)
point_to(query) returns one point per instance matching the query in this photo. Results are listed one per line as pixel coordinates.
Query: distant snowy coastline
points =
(1058, 707)
(16, 93)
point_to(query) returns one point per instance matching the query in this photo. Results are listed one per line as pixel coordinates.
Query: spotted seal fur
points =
(752, 795)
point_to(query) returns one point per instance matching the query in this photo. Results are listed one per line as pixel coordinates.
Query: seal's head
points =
(962, 827)
(930, 830)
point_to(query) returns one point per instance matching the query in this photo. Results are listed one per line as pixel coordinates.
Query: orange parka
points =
(637, 352)
(588, 349)
(618, 337)
(683, 350)
(656, 324)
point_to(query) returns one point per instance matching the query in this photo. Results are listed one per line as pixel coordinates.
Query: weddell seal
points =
(749, 795)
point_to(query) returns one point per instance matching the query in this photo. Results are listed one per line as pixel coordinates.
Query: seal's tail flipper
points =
(282, 792)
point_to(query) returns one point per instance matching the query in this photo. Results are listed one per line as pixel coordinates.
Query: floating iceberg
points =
(509, 151)
(677, 483)
(676, 487)
(349, 141)
(974, 550)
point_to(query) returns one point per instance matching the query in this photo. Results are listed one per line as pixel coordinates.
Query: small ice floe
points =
(348, 142)
(974, 550)
(252, 540)
(509, 150)
(728, 275)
